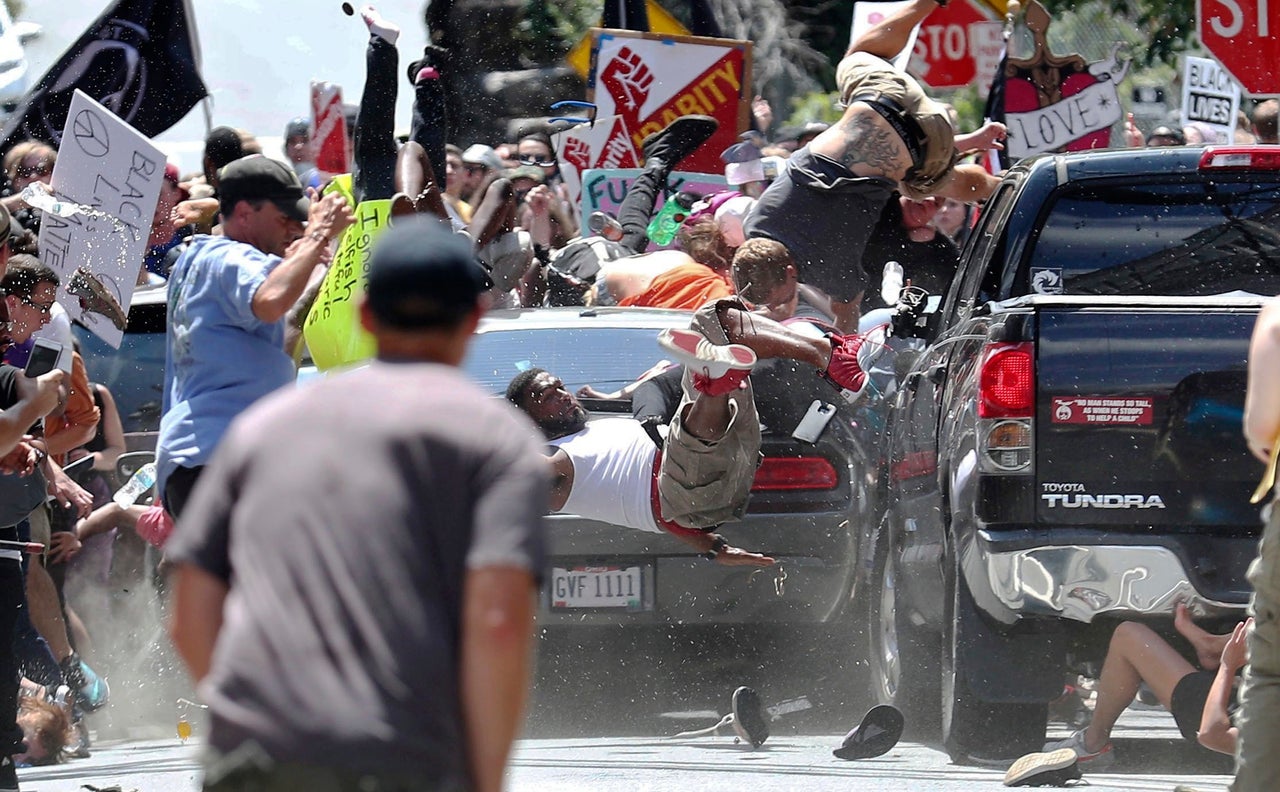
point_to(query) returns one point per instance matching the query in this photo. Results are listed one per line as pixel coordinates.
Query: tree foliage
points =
(1167, 27)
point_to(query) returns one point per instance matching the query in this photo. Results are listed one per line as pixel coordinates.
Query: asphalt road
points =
(1150, 757)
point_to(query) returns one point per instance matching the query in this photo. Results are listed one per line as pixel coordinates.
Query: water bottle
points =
(891, 283)
(141, 482)
(662, 228)
(603, 225)
(40, 198)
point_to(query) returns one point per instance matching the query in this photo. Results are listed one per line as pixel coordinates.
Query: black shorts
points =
(1187, 702)
(824, 215)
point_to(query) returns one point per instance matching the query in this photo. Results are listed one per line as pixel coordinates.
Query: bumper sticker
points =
(1127, 411)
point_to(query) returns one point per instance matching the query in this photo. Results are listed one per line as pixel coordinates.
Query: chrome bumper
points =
(1081, 582)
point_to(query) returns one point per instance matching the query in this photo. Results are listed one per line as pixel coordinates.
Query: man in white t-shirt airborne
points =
(612, 470)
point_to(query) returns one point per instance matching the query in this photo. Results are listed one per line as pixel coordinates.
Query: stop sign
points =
(1238, 33)
(951, 43)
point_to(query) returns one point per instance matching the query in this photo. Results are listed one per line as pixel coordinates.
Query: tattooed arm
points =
(864, 143)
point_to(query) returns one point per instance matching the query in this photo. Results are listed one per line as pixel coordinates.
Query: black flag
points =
(997, 161)
(140, 60)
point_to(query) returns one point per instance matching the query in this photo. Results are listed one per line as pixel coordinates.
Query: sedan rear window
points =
(604, 357)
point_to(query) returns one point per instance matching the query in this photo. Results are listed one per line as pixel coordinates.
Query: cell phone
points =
(814, 421)
(44, 357)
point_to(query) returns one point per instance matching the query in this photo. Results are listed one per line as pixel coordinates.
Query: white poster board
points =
(1210, 97)
(108, 165)
(604, 144)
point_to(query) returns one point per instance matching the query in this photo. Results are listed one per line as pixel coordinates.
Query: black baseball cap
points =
(423, 276)
(257, 178)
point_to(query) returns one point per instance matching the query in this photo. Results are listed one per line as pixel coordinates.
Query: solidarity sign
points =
(644, 81)
(111, 169)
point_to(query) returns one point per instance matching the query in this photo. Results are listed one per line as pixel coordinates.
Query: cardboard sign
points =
(1209, 97)
(1103, 410)
(333, 151)
(651, 80)
(108, 165)
(1059, 103)
(582, 148)
(332, 329)
(603, 189)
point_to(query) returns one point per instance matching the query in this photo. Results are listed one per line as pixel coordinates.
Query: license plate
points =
(598, 587)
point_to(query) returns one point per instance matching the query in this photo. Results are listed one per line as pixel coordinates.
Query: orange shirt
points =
(688, 286)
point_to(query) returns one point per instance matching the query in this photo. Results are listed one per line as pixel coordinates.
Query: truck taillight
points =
(794, 473)
(1240, 158)
(1006, 407)
(1006, 382)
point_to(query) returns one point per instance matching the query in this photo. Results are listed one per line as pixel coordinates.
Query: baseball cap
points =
(480, 154)
(422, 276)
(256, 178)
(298, 127)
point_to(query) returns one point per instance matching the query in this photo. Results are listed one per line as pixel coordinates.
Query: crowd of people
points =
(307, 638)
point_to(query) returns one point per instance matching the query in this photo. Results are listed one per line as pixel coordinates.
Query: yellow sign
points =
(332, 330)
(659, 22)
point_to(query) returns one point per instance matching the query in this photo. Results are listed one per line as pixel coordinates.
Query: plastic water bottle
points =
(662, 228)
(891, 283)
(141, 481)
(49, 203)
(603, 225)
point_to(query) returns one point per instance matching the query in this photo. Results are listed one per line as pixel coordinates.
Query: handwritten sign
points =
(1209, 96)
(651, 80)
(332, 329)
(108, 165)
(1103, 410)
(603, 189)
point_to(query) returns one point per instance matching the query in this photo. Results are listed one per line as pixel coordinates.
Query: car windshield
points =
(604, 357)
(1186, 238)
(134, 373)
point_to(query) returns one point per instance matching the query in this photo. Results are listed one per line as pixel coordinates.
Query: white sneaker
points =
(1089, 760)
(701, 356)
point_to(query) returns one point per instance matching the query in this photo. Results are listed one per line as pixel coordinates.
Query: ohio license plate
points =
(598, 587)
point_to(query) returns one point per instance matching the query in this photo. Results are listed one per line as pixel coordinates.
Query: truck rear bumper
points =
(1080, 582)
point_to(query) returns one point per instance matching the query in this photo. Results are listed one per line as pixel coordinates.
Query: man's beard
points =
(567, 425)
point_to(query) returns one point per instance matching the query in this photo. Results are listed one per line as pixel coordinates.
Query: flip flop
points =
(748, 717)
(880, 730)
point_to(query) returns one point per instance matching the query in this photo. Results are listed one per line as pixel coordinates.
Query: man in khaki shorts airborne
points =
(891, 137)
(612, 470)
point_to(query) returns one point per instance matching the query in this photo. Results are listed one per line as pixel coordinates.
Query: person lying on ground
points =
(612, 469)
(1199, 700)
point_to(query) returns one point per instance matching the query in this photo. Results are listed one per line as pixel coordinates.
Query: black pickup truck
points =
(1065, 452)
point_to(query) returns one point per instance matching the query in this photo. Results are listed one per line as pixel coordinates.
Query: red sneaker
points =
(845, 370)
(717, 369)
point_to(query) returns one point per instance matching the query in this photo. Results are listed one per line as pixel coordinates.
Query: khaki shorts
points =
(862, 72)
(1257, 762)
(701, 483)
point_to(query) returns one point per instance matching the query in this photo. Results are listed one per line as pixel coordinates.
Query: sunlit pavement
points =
(1147, 746)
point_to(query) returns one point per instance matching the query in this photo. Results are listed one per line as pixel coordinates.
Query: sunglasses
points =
(43, 308)
(534, 159)
(43, 169)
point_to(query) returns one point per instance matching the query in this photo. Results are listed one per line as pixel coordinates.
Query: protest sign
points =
(333, 151)
(1059, 102)
(110, 167)
(1209, 97)
(651, 80)
(603, 144)
(604, 188)
(332, 329)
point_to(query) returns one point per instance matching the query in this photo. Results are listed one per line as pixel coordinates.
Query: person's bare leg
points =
(707, 418)
(890, 37)
(83, 642)
(1136, 655)
(416, 179)
(847, 314)
(770, 339)
(495, 214)
(46, 611)
(1207, 645)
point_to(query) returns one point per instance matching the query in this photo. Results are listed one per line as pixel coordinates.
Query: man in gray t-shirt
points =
(356, 570)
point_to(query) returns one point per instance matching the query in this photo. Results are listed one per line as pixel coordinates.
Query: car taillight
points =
(795, 473)
(1006, 382)
(1240, 158)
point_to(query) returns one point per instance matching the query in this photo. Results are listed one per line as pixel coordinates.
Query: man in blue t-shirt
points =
(228, 299)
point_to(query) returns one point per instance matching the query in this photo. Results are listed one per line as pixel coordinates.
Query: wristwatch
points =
(717, 544)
